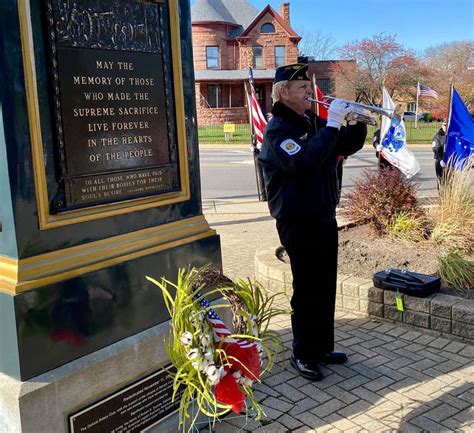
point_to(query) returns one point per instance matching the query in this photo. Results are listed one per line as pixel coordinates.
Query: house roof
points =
(237, 12)
(278, 18)
(233, 75)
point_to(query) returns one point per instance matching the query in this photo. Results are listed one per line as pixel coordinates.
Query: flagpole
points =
(448, 121)
(416, 107)
(315, 95)
(262, 195)
(380, 134)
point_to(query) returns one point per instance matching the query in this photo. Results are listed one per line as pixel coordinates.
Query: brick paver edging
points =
(444, 314)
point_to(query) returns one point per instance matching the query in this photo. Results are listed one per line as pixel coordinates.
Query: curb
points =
(441, 314)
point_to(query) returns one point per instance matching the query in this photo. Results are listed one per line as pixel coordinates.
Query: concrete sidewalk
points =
(397, 379)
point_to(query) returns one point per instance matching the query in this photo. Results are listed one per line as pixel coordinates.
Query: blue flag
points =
(460, 132)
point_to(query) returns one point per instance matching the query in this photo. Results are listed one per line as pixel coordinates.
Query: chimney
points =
(285, 12)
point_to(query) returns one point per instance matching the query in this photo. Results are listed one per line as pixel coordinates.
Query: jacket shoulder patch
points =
(290, 146)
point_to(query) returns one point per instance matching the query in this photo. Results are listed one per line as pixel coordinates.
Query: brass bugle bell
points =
(362, 112)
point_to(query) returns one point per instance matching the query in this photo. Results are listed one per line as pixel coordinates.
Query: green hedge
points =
(214, 134)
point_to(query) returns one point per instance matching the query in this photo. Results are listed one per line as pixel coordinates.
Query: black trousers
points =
(311, 245)
(438, 170)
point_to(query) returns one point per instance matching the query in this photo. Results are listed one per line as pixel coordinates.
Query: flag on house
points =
(257, 118)
(393, 139)
(427, 91)
(459, 143)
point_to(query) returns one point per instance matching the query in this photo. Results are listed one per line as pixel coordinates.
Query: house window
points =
(212, 57)
(279, 56)
(257, 57)
(214, 95)
(267, 28)
(324, 85)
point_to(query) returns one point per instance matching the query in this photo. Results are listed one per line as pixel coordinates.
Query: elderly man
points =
(299, 158)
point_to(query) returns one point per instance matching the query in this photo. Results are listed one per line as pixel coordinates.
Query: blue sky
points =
(418, 24)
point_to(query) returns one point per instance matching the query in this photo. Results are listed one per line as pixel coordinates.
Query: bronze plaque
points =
(130, 410)
(113, 98)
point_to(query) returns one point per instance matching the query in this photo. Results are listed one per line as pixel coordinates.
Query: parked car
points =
(410, 116)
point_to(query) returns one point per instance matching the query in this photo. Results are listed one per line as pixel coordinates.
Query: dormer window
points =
(267, 28)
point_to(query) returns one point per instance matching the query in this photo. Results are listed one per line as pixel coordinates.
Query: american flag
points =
(427, 91)
(256, 116)
(220, 330)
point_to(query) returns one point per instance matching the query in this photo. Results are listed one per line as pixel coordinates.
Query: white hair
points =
(276, 90)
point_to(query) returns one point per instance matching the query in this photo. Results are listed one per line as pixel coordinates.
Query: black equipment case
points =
(410, 283)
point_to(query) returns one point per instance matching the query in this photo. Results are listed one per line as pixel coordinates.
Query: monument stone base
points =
(44, 403)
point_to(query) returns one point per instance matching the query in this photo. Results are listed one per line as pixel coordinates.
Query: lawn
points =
(214, 134)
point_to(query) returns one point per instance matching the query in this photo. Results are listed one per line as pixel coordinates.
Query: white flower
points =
(204, 340)
(186, 338)
(203, 365)
(247, 382)
(209, 354)
(213, 375)
(193, 354)
(238, 376)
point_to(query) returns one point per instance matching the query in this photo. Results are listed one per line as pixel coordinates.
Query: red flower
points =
(247, 359)
(227, 391)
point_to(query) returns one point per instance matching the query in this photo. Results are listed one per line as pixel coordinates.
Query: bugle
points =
(362, 112)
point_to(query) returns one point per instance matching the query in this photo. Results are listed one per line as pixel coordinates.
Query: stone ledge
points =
(443, 314)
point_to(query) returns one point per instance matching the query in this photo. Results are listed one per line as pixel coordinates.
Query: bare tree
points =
(316, 44)
(451, 62)
(381, 61)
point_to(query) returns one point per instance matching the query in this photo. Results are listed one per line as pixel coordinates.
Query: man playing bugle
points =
(299, 157)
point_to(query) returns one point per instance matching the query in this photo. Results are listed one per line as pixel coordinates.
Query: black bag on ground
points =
(410, 283)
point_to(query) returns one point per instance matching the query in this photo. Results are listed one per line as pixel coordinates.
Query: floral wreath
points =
(215, 369)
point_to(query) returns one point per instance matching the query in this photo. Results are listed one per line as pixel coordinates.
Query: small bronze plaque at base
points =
(130, 410)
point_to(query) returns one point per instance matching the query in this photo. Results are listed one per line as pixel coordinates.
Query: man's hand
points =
(442, 163)
(379, 148)
(338, 110)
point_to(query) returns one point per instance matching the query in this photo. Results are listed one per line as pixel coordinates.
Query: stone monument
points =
(99, 187)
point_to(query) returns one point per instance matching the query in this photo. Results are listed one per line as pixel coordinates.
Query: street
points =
(229, 173)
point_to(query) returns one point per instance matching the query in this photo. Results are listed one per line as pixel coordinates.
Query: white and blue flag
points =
(393, 138)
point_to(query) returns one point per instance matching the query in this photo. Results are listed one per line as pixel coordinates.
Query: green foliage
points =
(407, 227)
(258, 310)
(188, 322)
(378, 196)
(456, 270)
(186, 315)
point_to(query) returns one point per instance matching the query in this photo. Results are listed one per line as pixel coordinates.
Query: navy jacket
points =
(438, 144)
(299, 157)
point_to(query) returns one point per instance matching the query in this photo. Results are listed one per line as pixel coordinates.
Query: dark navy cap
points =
(297, 71)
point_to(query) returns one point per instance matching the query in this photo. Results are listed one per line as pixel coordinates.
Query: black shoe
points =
(310, 372)
(333, 358)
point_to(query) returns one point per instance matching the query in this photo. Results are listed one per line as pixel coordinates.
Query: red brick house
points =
(228, 36)
(325, 78)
